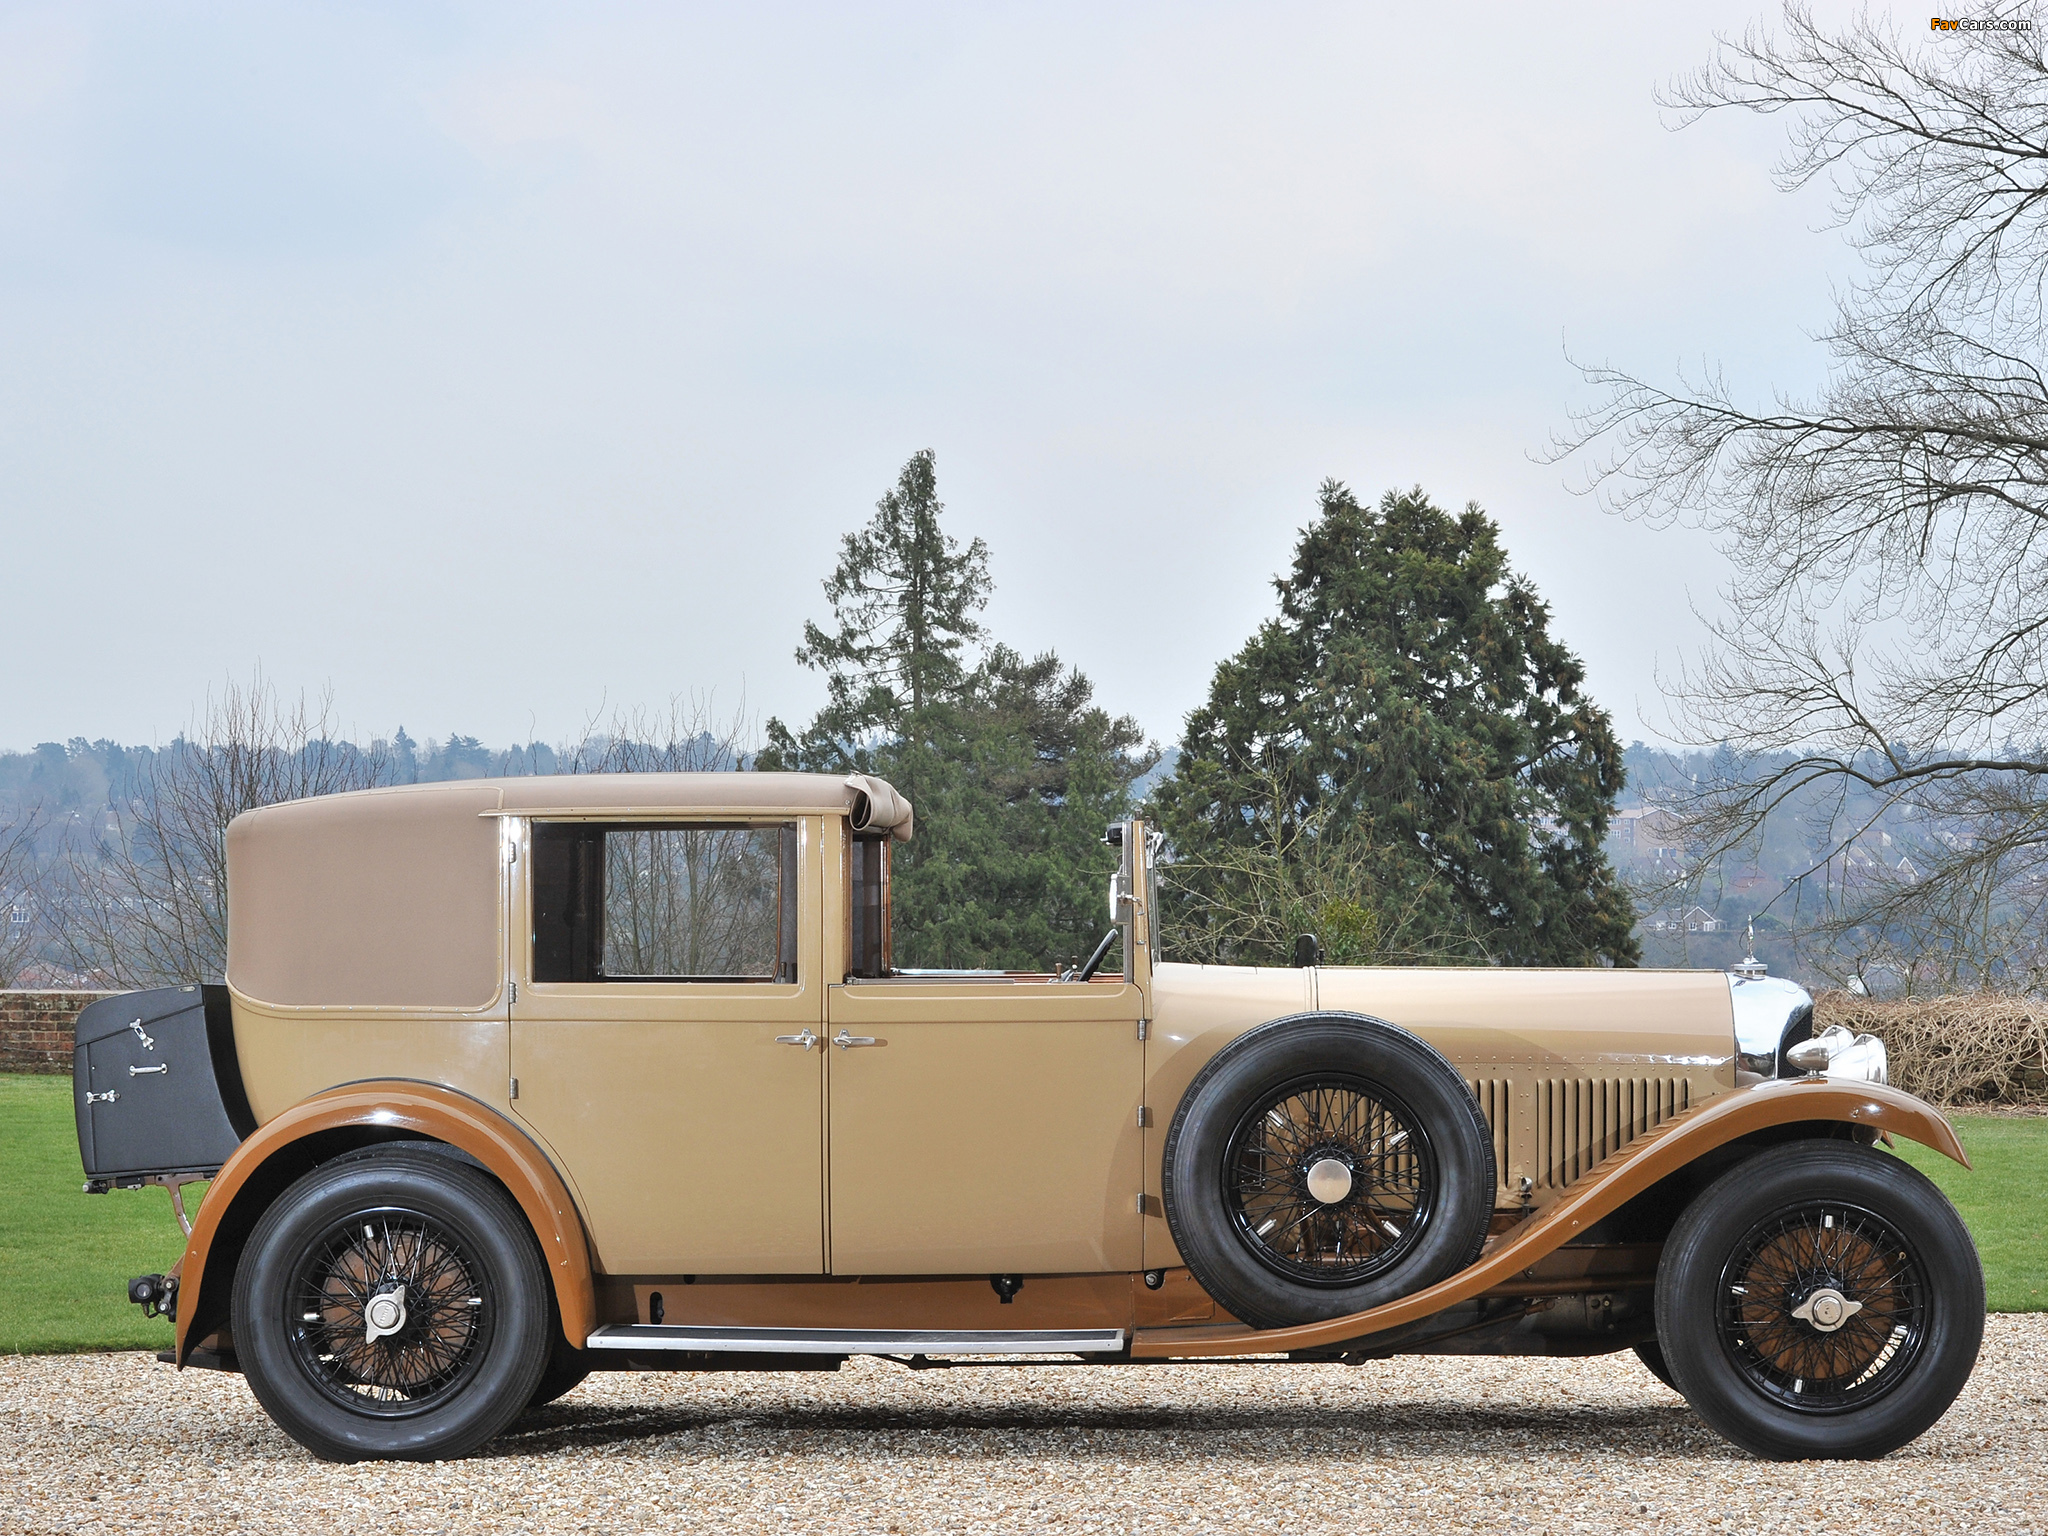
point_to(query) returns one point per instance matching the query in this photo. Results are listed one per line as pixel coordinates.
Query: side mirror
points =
(1308, 950)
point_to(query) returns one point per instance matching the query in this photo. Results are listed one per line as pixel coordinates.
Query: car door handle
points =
(805, 1039)
(847, 1042)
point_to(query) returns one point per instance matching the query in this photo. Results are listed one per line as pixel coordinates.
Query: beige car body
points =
(685, 1139)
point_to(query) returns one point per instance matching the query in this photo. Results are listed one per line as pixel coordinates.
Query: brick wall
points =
(35, 1029)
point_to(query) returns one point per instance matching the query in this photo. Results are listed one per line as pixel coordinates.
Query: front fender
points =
(321, 1126)
(1604, 1189)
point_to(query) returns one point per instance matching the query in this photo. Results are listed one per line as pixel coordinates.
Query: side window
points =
(664, 902)
(868, 948)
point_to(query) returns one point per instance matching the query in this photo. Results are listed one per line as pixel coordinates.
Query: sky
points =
(501, 366)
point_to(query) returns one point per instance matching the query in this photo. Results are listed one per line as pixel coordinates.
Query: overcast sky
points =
(495, 364)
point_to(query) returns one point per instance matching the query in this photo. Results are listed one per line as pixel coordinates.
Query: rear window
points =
(646, 902)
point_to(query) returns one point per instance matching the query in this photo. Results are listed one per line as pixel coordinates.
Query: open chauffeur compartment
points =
(158, 1094)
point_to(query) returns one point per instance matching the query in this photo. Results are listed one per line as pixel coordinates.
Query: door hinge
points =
(511, 853)
(1144, 1028)
(515, 1089)
(515, 991)
(1144, 1117)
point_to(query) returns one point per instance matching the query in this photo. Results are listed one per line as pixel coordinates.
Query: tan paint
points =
(1626, 1174)
(894, 1301)
(694, 1140)
(996, 1131)
(1197, 1010)
(289, 1055)
(416, 1109)
(1561, 1060)
(1045, 1301)
(384, 898)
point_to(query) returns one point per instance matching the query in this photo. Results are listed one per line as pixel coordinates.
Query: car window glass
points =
(664, 903)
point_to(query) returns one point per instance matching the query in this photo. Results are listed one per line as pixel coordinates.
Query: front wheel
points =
(392, 1305)
(1820, 1301)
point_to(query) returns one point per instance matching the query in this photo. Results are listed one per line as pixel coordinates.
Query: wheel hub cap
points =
(384, 1315)
(1826, 1310)
(1329, 1180)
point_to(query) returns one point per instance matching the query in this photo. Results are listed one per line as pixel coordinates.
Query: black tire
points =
(472, 1344)
(564, 1374)
(1820, 1226)
(1312, 1091)
(1651, 1353)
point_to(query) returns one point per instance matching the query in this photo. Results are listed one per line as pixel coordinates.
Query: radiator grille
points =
(1580, 1120)
(1495, 1095)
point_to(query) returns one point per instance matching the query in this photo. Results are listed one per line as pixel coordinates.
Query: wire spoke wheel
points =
(1330, 1180)
(1822, 1307)
(389, 1312)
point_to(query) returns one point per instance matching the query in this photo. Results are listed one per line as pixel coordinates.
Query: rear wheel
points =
(392, 1306)
(1820, 1301)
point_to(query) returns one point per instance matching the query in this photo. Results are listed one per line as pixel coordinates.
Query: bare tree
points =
(685, 736)
(1890, 621)
(1245, 904)
(147, 900)
(20, 892)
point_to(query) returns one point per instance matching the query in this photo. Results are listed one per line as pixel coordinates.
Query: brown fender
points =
(390, 1110)
(1605, 1188)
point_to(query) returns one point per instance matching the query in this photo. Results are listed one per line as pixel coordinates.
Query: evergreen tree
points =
(1014, 781)
(903, 596)
(1013, 769)
(1405, 751)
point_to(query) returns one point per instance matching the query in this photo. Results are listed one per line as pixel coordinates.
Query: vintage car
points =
(515, 1080)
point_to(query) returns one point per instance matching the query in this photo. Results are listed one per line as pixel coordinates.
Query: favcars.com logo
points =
(1980, 24)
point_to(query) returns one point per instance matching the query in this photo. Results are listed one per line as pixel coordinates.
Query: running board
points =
(857, 1341)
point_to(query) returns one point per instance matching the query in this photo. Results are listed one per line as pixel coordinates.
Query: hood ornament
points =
(1749, 966)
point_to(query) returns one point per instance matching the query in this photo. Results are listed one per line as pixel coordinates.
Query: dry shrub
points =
(1965, 1049)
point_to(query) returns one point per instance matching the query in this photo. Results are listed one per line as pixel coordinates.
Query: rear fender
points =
(364, 1114)
(1825, 1104)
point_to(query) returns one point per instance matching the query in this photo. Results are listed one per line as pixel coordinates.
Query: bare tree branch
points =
(1881, 674)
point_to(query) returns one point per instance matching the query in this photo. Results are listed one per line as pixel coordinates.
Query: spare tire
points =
(1323, 1164)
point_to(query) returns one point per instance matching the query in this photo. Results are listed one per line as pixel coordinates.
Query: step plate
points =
(856, 1341)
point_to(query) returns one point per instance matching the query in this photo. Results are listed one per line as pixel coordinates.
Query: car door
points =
(664, 1038)
(984, 1125)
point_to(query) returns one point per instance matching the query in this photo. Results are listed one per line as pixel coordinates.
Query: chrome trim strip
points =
(855, 1341)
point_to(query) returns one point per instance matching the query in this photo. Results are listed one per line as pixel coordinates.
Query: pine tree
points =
(1014, 781)
(1012, 766)
(903, 596)
(1405, 751)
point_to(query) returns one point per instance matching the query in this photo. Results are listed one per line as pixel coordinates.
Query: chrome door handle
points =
(805, 1039)
(846, 1042)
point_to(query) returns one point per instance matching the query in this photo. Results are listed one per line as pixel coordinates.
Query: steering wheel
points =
(1095, 960)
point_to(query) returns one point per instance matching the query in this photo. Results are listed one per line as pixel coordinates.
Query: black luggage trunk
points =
(158, 1089)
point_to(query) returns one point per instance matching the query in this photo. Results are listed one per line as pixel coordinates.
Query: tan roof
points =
(389, 897)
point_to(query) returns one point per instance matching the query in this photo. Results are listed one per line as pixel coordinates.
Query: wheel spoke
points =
(1787, 1260)
(438, 1344)
(1357, 1124)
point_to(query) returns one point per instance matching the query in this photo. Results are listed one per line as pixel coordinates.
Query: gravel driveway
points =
(118, 1442)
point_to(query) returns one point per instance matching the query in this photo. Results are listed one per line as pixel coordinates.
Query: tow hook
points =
(157, 1295)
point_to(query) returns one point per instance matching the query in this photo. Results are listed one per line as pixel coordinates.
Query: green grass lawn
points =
(2004, 1201)
(65, 1257)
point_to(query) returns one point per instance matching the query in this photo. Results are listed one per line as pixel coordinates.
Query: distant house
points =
(1647, 834)
(1683, 920)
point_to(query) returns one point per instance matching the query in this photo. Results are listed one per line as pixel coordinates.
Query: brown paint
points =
(1627, 1173)
(414, 1109)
